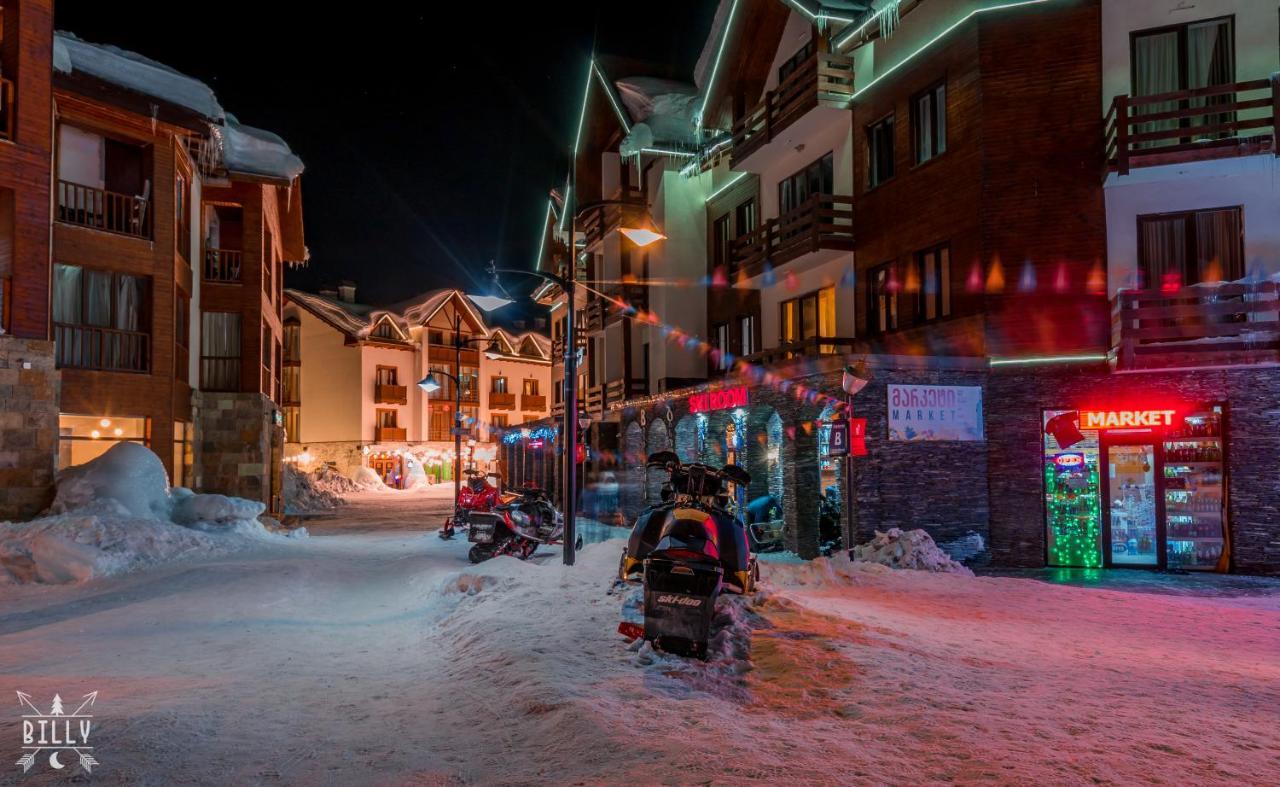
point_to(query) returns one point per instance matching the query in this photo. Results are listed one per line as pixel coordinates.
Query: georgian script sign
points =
(723, 399)
(935, 412)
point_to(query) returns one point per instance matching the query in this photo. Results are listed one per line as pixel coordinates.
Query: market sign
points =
(723, 399)
(920, 413)
(1121, 419)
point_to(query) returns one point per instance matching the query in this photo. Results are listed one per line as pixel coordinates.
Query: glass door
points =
(1193, 497)
(1133, 537)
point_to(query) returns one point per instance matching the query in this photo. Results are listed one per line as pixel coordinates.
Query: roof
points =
(542, 345)
(253, 151)
(357, 320)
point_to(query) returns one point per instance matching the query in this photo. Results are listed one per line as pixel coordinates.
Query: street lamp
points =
(644, 235)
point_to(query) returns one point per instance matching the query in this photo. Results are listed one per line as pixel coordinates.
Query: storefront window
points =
(183, 454)
(85, 437)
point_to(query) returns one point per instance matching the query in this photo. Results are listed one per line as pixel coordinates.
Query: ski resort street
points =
(374, 653)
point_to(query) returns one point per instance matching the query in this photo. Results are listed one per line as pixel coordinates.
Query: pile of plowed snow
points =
(117, 514)
(913, 549)
(319, 490)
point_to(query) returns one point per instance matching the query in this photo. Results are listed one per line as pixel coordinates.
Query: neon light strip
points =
(1046, 359)
(542, 237)
(662, 152)
(568, 191)
(582, 116)
(715, 67)
(938, 38)
(604, 84)
(723, 188)
(819, 15)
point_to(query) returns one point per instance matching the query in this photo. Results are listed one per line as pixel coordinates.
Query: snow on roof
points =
(663, 111)
(358, 320)
(132, 71)
(350, 318)
(255, 151)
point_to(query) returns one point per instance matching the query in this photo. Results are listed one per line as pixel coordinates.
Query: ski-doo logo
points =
(679, 601)
(57, 732)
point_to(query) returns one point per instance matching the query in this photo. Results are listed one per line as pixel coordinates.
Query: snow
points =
(914, 549)
(116, 514)
(134, 72)
(387, 658)
(316, 490)
(663, 111)
(255, 151)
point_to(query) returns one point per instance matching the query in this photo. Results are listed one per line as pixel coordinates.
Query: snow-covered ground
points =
(373, 653)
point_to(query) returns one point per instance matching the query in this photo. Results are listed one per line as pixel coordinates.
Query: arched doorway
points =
(659, 439)
(688, 445)
(632, 482)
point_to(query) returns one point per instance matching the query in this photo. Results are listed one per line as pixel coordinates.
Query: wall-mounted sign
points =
(935, 412)
(838, 442)
(1126, 419)
(723, 399)
(848, 437)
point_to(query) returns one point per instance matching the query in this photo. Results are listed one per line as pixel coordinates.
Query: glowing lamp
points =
(856, 377)
(642, 236)
(490, 302)
(429, 384)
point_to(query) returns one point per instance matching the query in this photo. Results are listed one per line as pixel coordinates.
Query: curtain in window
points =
(97, 298)
(924, 128)
(66, 294)
(1164, 253)
(1155, 70)
(221, 350)
(1210, 61)
(1218, 253)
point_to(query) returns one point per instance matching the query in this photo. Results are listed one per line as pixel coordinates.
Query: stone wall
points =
(29, 396)
(1014, 433)
(240, 447)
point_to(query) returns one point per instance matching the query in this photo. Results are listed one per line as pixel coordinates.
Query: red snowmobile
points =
(476, 496)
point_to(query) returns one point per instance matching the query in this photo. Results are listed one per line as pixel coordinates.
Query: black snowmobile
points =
(686, 550)
(515, 527)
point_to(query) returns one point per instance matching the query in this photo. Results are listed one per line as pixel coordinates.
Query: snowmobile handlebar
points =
(697, 479)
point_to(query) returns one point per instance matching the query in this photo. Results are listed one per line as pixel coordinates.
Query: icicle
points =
(155, 114)
(890, 18)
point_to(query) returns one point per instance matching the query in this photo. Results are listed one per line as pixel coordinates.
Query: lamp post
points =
(640, 236)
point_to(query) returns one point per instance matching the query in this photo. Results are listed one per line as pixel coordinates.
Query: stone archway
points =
(772, 459)
(687, 442)
(659, 439)
(632, 481)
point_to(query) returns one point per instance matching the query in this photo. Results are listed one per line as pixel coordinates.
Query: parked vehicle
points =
(830, 532)
(476, 495)
(686, 550)
(764, 524)
(517, 526)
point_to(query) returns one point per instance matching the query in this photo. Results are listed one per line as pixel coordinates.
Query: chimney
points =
(347, 292)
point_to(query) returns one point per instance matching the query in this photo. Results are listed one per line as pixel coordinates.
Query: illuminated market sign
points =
(1120, 419)
(724, 399)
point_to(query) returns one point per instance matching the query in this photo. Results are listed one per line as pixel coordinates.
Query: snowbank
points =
(910, 549)
(319, 490)
(116, 514)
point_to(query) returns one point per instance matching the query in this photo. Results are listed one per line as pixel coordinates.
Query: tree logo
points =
(57, 732)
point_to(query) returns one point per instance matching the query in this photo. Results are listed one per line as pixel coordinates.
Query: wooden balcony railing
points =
(825, 78)
(533, 403)
(86, 206)
(593, 317)
(470, 396)
(6, 108)
(390, 394)
(599, 221)
(1189, 125)
(805, 348)
(102, 349)
(636, 295)
(389, 434)
(502, 401)
(222, 265)
(621, 389)
(821, 222)
(1197, 326)
(596, 399)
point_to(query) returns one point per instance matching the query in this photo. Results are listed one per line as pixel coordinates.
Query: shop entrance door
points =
(1134, 508)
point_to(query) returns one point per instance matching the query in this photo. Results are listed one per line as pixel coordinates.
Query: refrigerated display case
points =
(1193, 489)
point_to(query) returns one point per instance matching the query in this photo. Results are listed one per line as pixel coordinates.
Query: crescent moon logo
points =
(53, 761)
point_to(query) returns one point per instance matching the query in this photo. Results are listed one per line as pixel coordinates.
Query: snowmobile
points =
(476, 495)
(686, 550)
(830, 535)
(516, 526)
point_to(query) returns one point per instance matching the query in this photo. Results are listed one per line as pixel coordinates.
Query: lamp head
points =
(429, 384)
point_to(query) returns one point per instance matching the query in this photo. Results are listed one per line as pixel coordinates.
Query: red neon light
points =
(1069, 460)
(724, 399)
(1120, 419)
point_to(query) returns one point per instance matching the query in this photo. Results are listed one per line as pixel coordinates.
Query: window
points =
(384, 330)
(292, 340)
(530, 388)
(435, 337)
(745, 218)
(815, 179)
(747, 334)
(929, 123)
(880, 152)
(559, 389)
(387, 375)
(220, 351)
(808, 317)
(103, 183)
(85, 437)
(183, 454)
(101, 320)
(440, 424)
(797, 60)
(182, 215)
(934, 268)
(441, 372)
(386, 419)
(1180, 249)
(721, 243)
(882, 294)
(181, 333)
(470, 379)
(498, 385)
(498, 421)
(292, 424)
(1183, 57)
(292, 377)
(720, 340)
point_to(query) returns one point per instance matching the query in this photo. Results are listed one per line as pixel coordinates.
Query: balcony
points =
(601, 220)
(390, 394)
(532, 403)
(101, 349)
(6, 108)
(826, 79)
(502, 401)
(822, 222)
(620, 390)
(634, 295)
(86, 206)
(222, 265)
(389, 434)
(1197, 326)
(470, 396)
(597, 398)
(1192, 125)
(813, 347)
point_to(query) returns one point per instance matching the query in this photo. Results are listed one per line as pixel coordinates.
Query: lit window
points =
(85, 437)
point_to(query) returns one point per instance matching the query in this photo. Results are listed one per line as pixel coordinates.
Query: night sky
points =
(430, 137)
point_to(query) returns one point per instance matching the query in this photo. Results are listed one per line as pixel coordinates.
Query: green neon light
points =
(715, 67)
(582, 116)
(664, 152)
(938, 38)
(568, 190)
(542, 237)
(1046, 359)
(821, 15)
(725, 187)
(604, 83)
